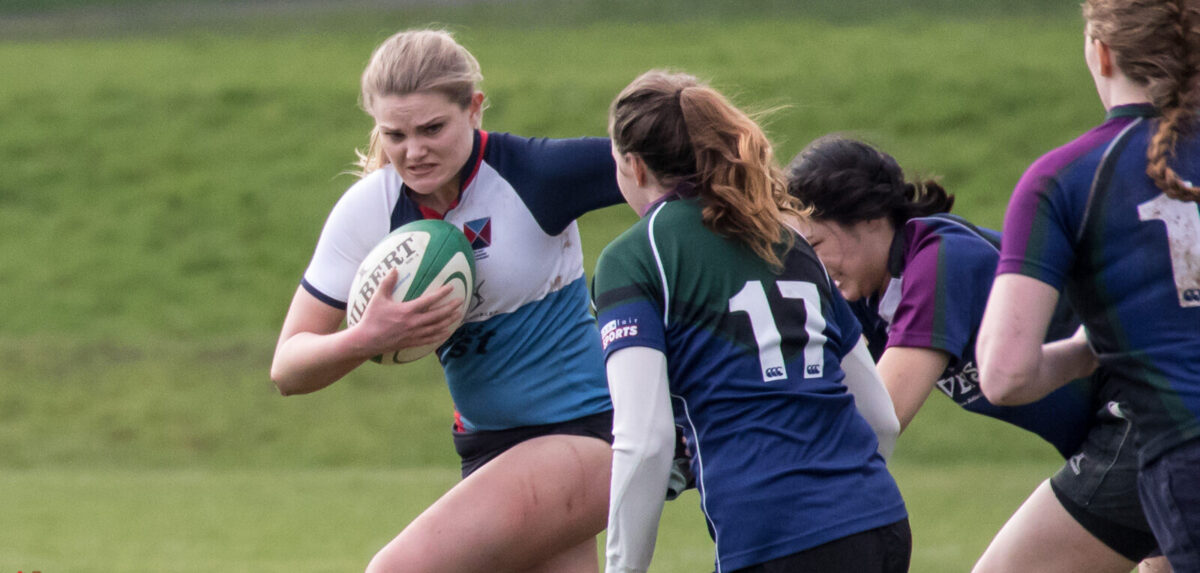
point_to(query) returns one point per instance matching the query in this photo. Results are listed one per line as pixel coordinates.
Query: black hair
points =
(847, 181)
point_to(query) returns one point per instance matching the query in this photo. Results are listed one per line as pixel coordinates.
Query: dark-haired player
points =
(921, 278)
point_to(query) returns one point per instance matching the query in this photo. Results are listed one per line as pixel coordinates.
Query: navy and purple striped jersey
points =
(1086, 219)
(942, 268)
(783, 460)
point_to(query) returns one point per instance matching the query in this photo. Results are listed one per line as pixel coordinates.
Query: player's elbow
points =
(998, 392)
(1005, 371)
(887, 424)
(1004, 383)
(285, 383)
(888, 428)
(282, 386)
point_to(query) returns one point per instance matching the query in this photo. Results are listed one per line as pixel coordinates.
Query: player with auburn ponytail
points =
(717, 317)
(1111, 220)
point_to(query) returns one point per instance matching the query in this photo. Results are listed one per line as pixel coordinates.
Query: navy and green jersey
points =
(1086, 219)
(783, 459)
(942, 270)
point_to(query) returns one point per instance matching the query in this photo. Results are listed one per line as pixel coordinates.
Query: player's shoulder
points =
(949, 248)
(367, 204)
(1073, 164)
(501, 146)
(632, 242)
(675, 219)
(382, 184)
(634, 251)
(951, 232)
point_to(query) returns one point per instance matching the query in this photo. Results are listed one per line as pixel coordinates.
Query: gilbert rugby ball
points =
(427, 254)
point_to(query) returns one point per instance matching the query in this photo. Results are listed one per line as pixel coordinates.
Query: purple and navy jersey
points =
(1087, 220)
(782, 458)
(528, 352)
(942, 270)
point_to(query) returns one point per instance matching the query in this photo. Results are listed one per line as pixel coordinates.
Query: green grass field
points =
(164, 172)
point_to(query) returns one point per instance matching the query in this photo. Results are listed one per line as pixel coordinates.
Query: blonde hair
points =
(686, 131)
(1156, 43)
(415, 61)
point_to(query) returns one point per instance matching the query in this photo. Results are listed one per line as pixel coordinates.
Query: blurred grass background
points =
(165, 168)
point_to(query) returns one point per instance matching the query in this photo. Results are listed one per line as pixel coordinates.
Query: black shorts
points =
(886, 549)
(1170, 488)
(479, 447)
(1098, 486)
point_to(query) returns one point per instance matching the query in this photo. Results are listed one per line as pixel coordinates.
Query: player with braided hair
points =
(1177, 93)
(1112, 220)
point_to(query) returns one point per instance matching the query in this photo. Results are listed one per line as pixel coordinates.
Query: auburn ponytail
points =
(736, 172)
(686, 131)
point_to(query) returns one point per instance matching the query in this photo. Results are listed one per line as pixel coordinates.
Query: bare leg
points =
(582, 558)
(1042, 537)
(539, 501)
(1155, 565)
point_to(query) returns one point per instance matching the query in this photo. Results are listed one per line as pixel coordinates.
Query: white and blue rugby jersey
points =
(528, 352)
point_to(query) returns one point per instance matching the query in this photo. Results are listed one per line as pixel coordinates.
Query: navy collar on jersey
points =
(682, 190)
(1132, 110)
(465, 175)
(898, 251)
(895, 265)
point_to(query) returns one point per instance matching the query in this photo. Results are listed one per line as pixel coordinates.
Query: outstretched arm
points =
(910, 373)
(643, 447)
(1015, 366)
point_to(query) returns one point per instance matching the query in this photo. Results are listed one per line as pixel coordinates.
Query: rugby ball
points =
(427, 254)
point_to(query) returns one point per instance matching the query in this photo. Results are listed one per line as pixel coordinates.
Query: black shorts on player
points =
(480, 447)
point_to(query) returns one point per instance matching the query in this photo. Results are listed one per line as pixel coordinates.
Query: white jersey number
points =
(1182, 219)
(752, 300)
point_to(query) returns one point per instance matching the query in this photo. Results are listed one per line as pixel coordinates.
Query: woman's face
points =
(855, 255)
(428, 138)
